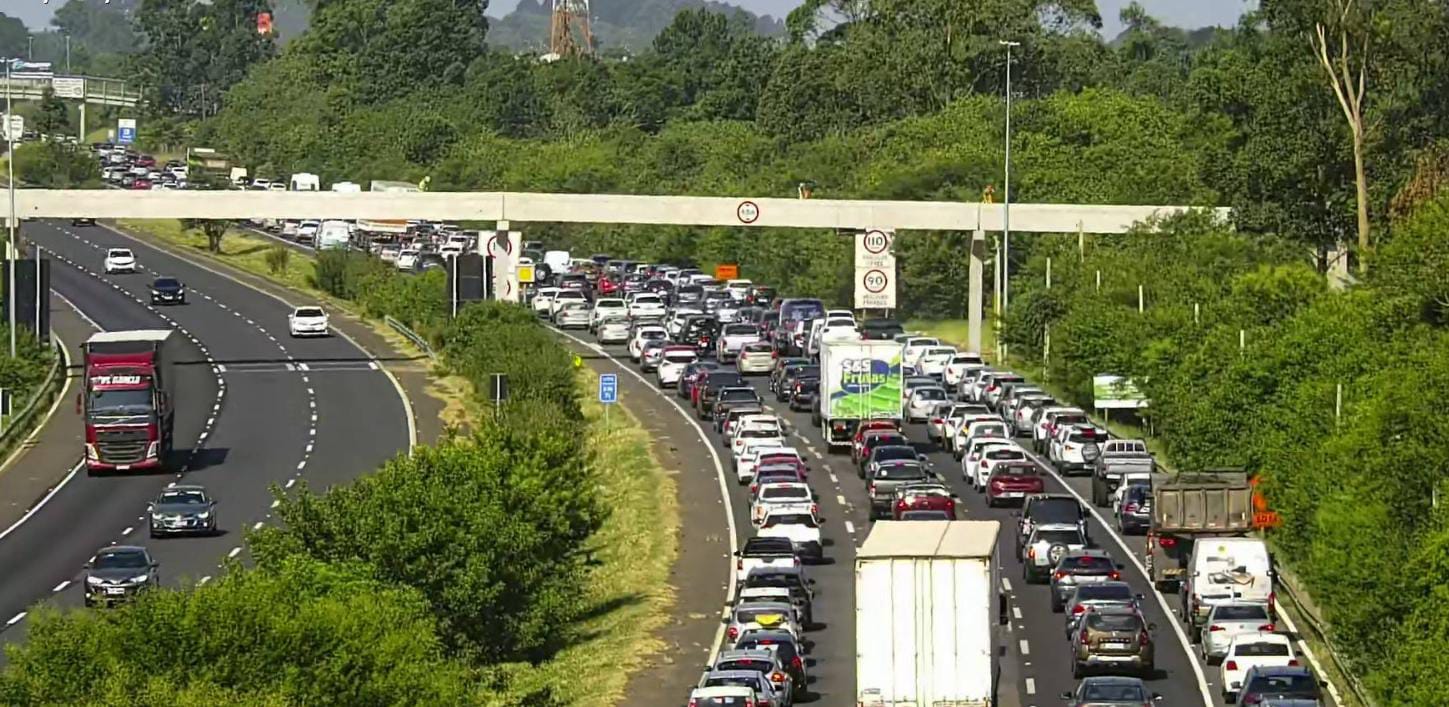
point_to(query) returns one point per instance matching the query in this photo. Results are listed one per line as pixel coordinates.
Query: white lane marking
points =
(301, 366)
(719, 471)
(1030, 686)
(1006, 584)
(850, 527)
(44, 500)
(220, 368)
(15, 619)
(840, 498)
(833, 479)
(258, 525)
(1202, 683)
(1016, 613)
(204, 580)
(61, 587)
(127, 531)
(234, 552)
(276, 503)
(302, 464)
(1025, 647)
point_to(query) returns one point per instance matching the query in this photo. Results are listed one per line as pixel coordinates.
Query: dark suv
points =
(1134, 517)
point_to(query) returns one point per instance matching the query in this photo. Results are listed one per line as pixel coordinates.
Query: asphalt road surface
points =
(1036, 663)
(255, 408)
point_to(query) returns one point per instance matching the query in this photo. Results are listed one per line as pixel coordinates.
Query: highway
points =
(255, 408)
(1036, 665)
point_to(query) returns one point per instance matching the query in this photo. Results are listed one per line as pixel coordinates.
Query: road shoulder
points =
(45, 459)
(699, 574)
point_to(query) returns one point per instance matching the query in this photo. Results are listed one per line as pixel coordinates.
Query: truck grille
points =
(121, 446)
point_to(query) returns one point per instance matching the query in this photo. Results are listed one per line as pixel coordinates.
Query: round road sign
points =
(876, 242)
(500, 243)
(748, 212)
(875, 281)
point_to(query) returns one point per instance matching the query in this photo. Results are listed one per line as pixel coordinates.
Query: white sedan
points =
(924, 401)
(671, 367)
(120, 260)
(614, 330)
(307, 321)
(643, 334)
(1266, 649)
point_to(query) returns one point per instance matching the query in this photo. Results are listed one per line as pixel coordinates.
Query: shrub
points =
(277, 258)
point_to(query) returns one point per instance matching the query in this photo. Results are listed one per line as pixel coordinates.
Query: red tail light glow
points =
(1215, 627)
(1230, 665)
(733, 632)
(796, 663)
(1172, 542)
(1059, 574)
(1268, 627)
(1114, 575)
(1129, 508)
(777, 677)
(1293, 663)
(1079, 609)
(1143, 638)
(1082, 636)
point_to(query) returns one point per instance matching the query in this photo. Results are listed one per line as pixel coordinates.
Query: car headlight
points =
(204, 515)
(139, 578)
(93, 580)
(157, 517)
(155, 293)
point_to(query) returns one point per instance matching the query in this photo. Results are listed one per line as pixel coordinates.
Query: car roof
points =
(1089, 552)
(185, 487)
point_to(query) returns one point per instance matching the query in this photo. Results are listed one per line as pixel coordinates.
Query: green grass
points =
(636, 548)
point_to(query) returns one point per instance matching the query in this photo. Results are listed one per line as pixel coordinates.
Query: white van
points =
(334, 234)
(305, 181)
(1225, 570)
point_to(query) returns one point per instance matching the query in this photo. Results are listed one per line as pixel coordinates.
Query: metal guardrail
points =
(411, 335)
(1319, 627)
(18, 426)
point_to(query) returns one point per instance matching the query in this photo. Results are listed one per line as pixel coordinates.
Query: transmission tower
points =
(570, 33)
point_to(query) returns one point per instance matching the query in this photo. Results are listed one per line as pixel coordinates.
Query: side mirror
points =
(1140, 596)
(1066, 695)
(1121, 566)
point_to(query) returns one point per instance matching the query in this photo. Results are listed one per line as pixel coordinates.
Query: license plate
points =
(115, 590)
(1116, 645)
(1011, 494)
(123, 467)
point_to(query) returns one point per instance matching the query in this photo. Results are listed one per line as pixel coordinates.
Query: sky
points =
(1189, 14)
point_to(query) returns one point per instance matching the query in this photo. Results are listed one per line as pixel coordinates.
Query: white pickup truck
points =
(799, 526)
(764, 552)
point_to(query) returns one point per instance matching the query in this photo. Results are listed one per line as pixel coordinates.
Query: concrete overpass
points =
(94, 90)
(507, 207)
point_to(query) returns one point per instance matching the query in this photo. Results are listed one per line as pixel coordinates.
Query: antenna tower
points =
(570, 33)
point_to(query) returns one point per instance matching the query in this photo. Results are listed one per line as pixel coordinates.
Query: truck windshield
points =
(120, 405)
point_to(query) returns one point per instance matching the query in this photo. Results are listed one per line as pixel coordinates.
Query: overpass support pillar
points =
(82, 135)
(973, 301)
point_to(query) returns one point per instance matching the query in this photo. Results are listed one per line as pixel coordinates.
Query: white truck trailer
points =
(859, 380)
(928, 614)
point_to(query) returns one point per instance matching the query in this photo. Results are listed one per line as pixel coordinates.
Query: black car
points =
(1134, 517)
(787, 381)
(785, 646)
(880, 329)
(168, 290)
(82, 221)
(803, 394)
(118, 573)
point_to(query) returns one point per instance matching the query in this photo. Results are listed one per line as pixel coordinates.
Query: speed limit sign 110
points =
(873, 249)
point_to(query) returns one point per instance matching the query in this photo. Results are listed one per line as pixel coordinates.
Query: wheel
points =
(1057, 606)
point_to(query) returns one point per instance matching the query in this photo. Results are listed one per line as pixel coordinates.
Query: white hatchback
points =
(1265, 649)
(120, 260)
(307, 321)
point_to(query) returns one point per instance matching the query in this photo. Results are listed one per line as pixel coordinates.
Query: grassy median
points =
(636, 547)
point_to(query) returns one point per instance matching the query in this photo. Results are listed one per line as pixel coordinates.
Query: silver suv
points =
(1047, 544)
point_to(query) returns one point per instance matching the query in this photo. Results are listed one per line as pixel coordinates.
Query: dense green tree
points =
(195, 51)
(98, 27)
(13, 36)
(52, 117)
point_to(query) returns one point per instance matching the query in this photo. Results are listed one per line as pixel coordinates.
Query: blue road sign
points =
(608, 388)
(125, 131)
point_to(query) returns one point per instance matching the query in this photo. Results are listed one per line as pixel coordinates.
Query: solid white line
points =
(15, 619)
(719, 471)
(1308, 653)
(43, 501)
(64, 394)
(61, 586)
(234, 552)
(1202, 683)
(1025, 647)
(850, 527)
(1030, 686)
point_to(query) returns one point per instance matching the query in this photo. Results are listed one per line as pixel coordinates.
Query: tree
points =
(52, 118)
(101, 28)
(195, 51)
(13, 36)
(1341, 45)
(213, 229)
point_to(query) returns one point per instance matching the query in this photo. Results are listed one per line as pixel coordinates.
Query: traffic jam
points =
(914, 429)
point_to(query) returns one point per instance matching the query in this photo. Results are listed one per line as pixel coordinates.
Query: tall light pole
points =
(1006, 191)
(10, 165)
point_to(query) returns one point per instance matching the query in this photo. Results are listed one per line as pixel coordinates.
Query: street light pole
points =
(67, 55)
(1006, 191)
(10, 165)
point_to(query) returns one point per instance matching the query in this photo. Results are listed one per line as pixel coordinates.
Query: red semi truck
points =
(129, 403)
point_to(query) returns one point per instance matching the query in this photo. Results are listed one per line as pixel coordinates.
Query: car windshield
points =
(1109, 591)
(652, 334)
(757, 665)
(723, 379)
(309, 312)
(679, 357)
(1263, 649)
(931, 394)
(166, 283)
(741, 680)
(1014, 470)
(785, 492)
(1055, 510)
(1060, 537)
(1114, 622)
(186, 498)
(737, 395)
(989, 431)
(1240, 612)
(925, 515)
(1087, 562)
(121, 559)
(120, 253)
(740, 330)
(893, 453)
(1299, 686)
(760, 433)
(1005, 454)
(1099, 692)
(758, 348)
(901, 472)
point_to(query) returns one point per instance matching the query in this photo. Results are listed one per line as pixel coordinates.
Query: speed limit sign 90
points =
(875, 281)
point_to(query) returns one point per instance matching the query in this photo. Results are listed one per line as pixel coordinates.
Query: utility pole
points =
(67, 56)
(10, 164)
(1006, 190)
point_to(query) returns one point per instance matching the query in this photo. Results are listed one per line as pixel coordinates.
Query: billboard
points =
(1116, 393)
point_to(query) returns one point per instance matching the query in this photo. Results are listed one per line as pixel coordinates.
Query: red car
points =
(141, 185)
(145, 161)
(924, 497)
(865, 426)
(1013, 481)
(607, 285)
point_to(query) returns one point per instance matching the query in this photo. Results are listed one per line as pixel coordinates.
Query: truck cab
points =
(128, 404)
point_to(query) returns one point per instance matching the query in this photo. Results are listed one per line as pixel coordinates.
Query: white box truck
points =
(859, 380)
(928, 614)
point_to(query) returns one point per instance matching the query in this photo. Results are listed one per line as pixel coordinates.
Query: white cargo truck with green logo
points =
(859, 380)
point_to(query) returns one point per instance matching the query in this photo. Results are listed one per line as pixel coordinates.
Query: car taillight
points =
(777, 677)
(1082, 636)
(740, 564)
(754, 487)
(733, 632)
(1253, 699)
(796, 663)
(870, 489)
(1059, 574)
(1143, 638)
(815, 511)
(1215, 627)
(937, 421)
(1114, 575)
(1079, 609)
(1172, 542)
(1129, 508)
(1230, 665)
(1293, 662)
(1268, 627)
(1031, 554)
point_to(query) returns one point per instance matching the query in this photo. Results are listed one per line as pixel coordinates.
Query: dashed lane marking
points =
(234, 551)
(850, 527)
(61, 587)
(1025, 647)
(15, 619)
